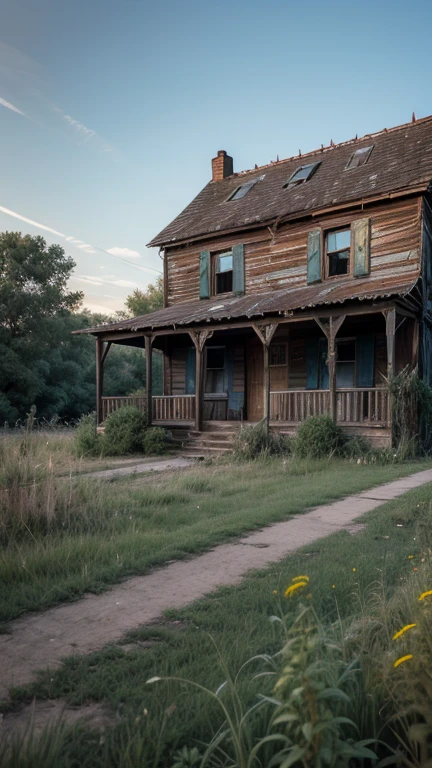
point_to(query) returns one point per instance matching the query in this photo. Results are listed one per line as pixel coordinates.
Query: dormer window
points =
(244, 188)
(301, 175)
(359, 157)
(223, 272)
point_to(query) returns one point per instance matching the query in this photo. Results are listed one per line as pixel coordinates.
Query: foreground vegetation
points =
(62, 536)
(337, 637)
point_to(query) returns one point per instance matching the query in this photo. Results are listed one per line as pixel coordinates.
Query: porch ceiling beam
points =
(265, 332)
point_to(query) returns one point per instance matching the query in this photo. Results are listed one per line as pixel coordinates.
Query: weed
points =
(257, 441)
(124, 432)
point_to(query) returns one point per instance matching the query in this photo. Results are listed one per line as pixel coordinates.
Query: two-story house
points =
(294, 289)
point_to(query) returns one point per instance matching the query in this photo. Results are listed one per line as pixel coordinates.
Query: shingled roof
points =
(401, 160)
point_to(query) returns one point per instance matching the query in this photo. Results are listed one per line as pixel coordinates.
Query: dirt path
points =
(40, 640)
(154, 465)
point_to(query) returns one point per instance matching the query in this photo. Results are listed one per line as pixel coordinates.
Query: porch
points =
(369, 406)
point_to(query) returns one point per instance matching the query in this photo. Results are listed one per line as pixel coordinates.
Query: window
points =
(278, 355)
(223, 272)
(338, 247)
(359, 157)
(215, 369)
(244, 188)
(345, 363)
(301, 175)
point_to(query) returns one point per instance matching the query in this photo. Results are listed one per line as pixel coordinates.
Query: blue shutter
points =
(311, 353)
(360, 231)
(238, 269)
(190, 371)
(365, 353)
(205, 275)
(314, 256)
(323, 367)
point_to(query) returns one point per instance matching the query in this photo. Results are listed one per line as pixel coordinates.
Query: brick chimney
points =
(222, 166)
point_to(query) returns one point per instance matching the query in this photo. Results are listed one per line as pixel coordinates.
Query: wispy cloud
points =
(36, 224)
(80, 243)
(88, 134)
(125, 253)
(10, 106)
(97, 280)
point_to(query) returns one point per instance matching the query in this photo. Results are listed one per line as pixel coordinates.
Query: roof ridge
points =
(333, 146)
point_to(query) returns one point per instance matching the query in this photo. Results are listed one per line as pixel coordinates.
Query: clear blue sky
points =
(110, 112)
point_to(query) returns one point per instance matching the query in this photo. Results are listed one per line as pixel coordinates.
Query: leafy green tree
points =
(144, 302)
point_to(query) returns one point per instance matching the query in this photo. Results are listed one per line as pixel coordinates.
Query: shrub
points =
(155, 441)
(87, 441)
(318, 437)
(124, 432)
(255, 441)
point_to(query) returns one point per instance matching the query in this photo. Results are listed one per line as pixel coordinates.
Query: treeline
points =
(41, 362)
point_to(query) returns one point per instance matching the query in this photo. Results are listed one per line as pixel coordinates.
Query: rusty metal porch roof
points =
(213, 311)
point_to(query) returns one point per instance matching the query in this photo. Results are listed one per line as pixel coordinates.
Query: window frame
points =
(345, 340)
(350, 167)
(283, 344)
(296, 183)
(249, 185)
(326, 253)
(213, 260)
(207, 369)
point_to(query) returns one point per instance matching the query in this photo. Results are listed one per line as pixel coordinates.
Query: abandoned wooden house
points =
(293, 289)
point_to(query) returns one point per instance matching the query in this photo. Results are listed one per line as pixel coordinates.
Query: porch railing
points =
(354, 406)
(364, 406)
(111, 404)
(174, 408)
(296, 405)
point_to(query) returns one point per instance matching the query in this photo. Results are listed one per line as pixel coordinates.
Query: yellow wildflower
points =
(403, 630)
(425, 594)
(333, 586)
(274, 592)
(410, 557)
(354, 570)
(293, 587)
(402, 660)
(300, 578)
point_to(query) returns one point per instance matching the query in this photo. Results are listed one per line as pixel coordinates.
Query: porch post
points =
(266, 333)
(148, 341)
(330, 329)
(99, 380)
(390, 316)
(199, 339)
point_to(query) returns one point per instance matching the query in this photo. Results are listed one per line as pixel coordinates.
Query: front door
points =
(255, 380)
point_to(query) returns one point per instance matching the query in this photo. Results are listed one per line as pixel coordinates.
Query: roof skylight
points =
(245, 188)
(302, 174)
(359, 157)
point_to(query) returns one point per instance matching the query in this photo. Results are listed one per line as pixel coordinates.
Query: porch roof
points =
(258, 305)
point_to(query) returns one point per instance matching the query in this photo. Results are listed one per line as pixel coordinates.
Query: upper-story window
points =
(223, 272)
(359, 157)
(301, 175)
(338, 248)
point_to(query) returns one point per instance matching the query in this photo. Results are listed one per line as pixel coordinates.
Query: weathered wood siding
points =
(278, 260)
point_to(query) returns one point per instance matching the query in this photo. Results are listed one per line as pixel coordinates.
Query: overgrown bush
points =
(87, 440)
(256, 441)
(411, 412)
(155, 441)
(124, 432)
(318, 437)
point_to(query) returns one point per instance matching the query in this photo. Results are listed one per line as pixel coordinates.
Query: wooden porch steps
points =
(216, 439)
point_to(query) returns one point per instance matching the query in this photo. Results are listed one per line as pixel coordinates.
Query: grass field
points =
(63, 535)
(363, 587)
